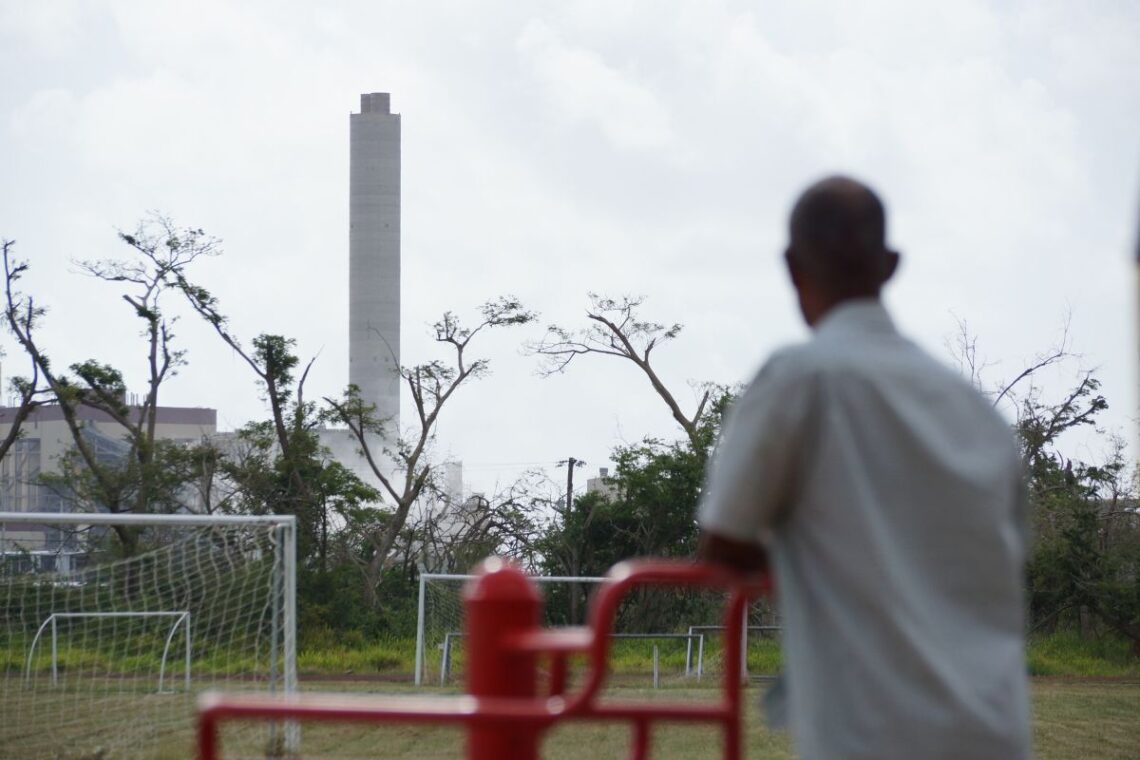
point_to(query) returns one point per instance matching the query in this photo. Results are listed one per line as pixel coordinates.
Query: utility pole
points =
(575, 555)
(571, 463)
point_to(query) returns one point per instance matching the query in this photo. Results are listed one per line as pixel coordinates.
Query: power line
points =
(486, 465)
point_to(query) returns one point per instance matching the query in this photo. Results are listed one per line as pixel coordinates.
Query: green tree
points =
(1084, 564)
(279, 466)
(650, 511)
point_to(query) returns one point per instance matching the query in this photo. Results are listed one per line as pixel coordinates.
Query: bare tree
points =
(145, 478)
(20, 315)
(615, 328)
(403, 467)
(162, 251)
(964, 350)
(451, 536)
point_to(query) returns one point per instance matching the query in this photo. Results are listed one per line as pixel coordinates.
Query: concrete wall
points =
(374, 255)
(344, 448)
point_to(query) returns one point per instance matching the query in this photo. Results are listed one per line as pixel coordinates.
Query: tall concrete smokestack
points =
(374, 255)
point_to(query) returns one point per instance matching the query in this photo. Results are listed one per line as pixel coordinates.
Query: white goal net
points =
(661, 635)
(110, 625)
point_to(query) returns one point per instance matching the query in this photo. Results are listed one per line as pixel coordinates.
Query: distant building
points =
(451, 481)
(46, 438)
(603, 484)
(445, 505)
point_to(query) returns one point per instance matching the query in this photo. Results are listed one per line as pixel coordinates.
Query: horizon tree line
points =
(363, 543)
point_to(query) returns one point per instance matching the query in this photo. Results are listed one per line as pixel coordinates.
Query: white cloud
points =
(47, 116)
(49, 28)
(581, 86)
(553, 148)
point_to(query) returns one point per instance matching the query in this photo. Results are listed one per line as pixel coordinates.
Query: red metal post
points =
(499, 604)
(207, 738)
(557, 674)
(640, 748)
(734, 617)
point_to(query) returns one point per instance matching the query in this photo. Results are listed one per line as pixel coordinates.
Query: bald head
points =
(837, 247)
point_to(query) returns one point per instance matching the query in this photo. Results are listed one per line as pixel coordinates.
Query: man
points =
(889, 495)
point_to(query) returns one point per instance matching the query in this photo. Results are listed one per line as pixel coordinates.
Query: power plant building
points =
(46, 437)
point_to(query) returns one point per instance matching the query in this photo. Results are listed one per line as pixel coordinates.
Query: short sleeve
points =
(755, 467)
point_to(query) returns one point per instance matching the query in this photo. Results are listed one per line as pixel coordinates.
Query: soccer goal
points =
(658, 636)
(439, 619)
(111, 624)
(180, 619)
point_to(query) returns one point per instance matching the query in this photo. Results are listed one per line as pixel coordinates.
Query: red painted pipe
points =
(500, 602)
(503, 643)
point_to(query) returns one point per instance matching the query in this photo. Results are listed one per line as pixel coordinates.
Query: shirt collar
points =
(859, 315)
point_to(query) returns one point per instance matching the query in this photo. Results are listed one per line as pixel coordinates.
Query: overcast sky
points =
(556, 148)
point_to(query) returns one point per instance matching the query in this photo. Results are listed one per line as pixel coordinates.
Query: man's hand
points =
(741, 556)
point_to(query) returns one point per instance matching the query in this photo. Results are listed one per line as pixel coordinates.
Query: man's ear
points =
(891, 265)
(795, 272)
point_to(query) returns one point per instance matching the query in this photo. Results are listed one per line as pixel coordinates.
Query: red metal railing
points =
(504, 713)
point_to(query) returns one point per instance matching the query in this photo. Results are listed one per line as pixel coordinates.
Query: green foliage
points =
(358, 555)
(338, 652)
(275, 355)
(351, 655)
(1067, 653)
(1085, 566)
(650, 511)
(104, 385)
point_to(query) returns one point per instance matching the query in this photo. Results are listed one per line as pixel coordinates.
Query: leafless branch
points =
(615, 328)
(431, 385)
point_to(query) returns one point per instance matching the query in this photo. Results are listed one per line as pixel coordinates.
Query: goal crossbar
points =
(108, 518)
(450, 636)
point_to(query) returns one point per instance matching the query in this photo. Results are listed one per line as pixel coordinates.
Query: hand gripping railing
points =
(504, 713)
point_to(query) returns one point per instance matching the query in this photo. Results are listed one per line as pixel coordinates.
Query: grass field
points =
(1073, 720)
(1086, 705)
(1059, 654)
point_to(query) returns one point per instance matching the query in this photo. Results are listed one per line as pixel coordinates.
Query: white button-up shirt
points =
(890, 496)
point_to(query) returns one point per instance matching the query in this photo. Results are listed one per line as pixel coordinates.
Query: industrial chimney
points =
(374, 256)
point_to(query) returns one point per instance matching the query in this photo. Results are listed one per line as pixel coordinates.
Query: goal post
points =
(222, 588)
(683, 625)
(181, 619)
(439, 611)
